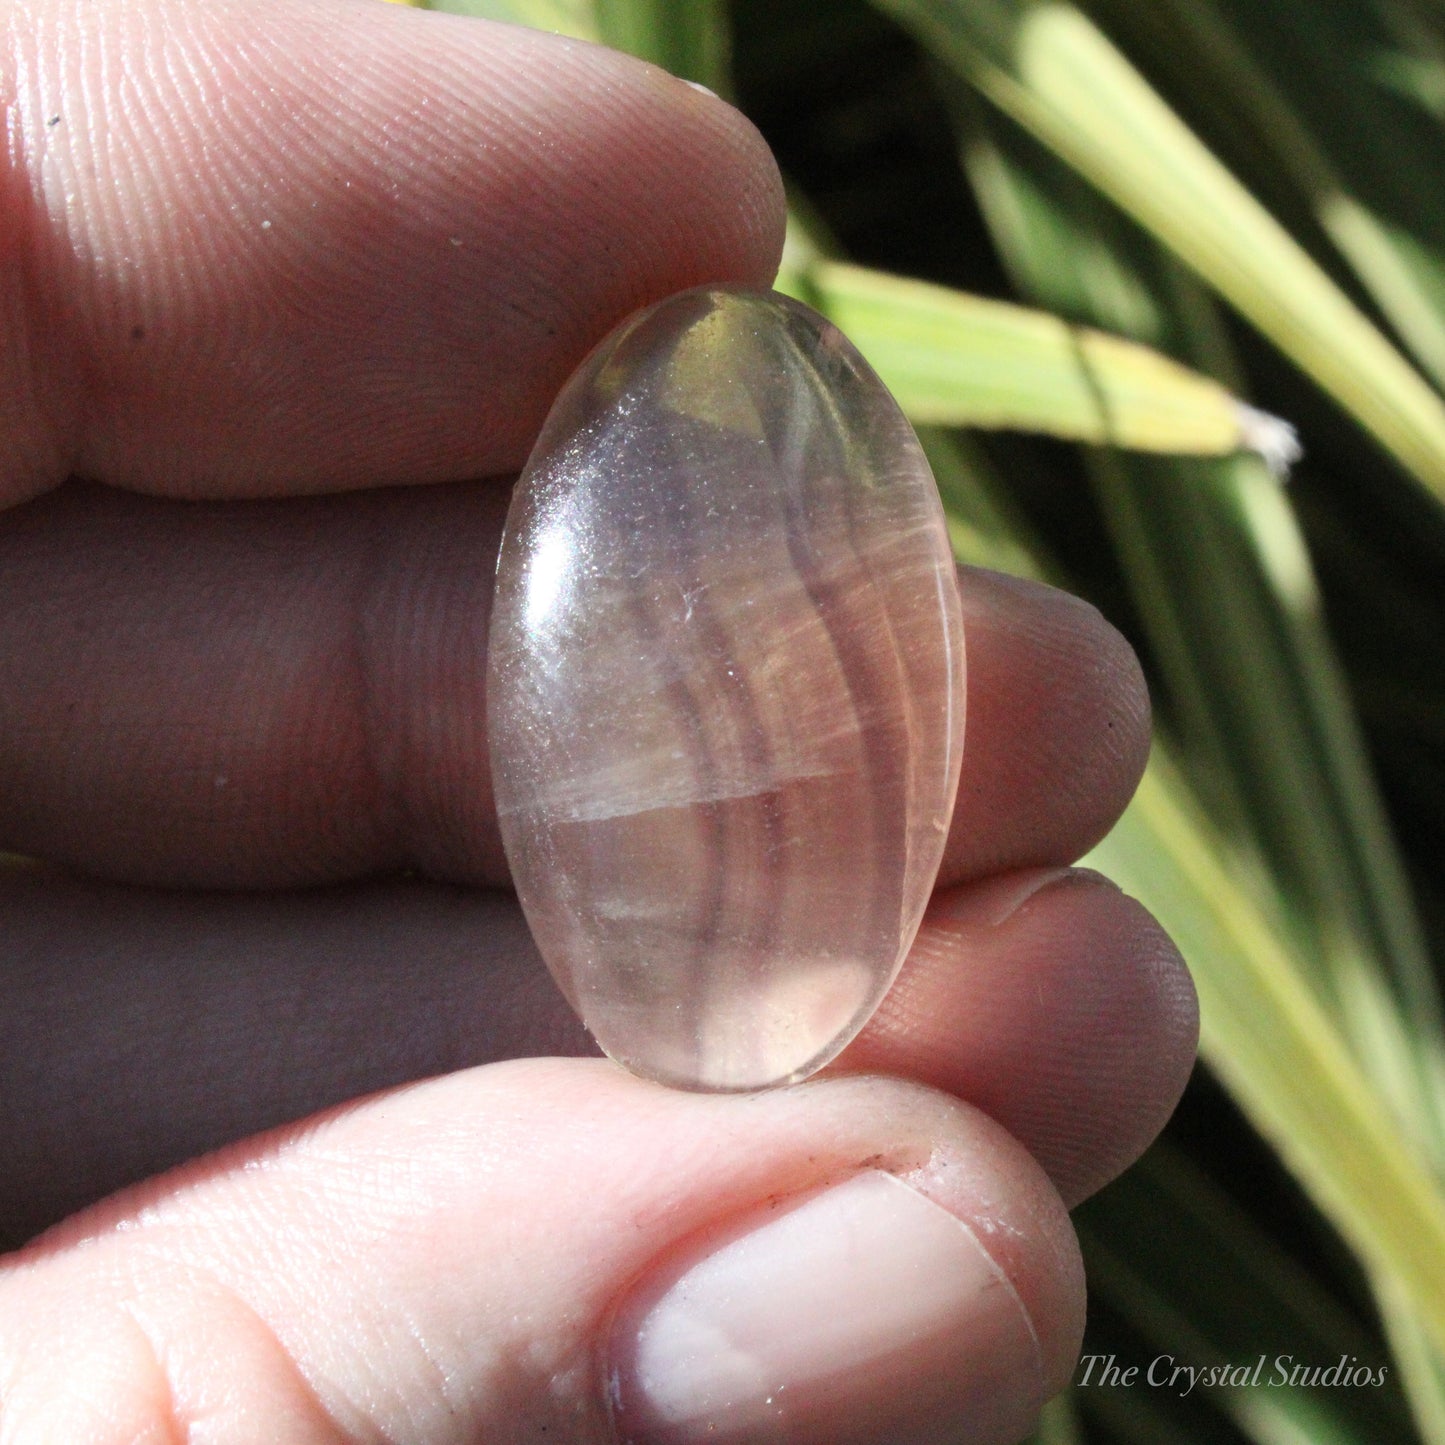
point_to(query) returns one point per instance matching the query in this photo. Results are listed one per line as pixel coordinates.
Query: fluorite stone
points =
(725, 690)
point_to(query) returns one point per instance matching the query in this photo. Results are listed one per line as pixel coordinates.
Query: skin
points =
(278, 281)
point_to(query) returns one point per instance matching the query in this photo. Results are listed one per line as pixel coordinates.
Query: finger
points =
(1055, 1003)
(255, 248)
(249, 695)
(279, 693)
(492, 1255)
(139, 1029)
(1057, 731)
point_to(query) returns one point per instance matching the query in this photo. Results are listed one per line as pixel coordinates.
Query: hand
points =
(294, 247)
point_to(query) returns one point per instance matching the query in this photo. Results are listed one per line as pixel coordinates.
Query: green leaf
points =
(1058, 1424)
(1349, 176)
(1048, 66)
(1275, 1047)
(1213, 1289)
(689, 38)
(961, 360)
(563, 17)
(1222, 580)
(1225, 586)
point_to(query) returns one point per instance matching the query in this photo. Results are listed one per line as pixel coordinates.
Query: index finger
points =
(308, 245)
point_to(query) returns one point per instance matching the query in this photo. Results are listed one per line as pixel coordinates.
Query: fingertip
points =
(934, 1290)
(1058, 727)
(365, 247)
(1054, 1002)
(1135, 1046)
(861, 1312)
(1031, 1240)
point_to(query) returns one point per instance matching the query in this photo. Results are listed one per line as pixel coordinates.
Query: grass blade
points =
(1224, 584)
(1253, 1300)
(1276, 1049)
(1058, 1424)
(576, 18)
(1190, 46)
(1050, 68)
(961, 360)
(687, 37)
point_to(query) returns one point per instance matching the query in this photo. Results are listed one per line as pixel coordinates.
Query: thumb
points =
(552, 1250)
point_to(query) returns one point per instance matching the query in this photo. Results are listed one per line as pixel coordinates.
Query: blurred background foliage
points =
(1095, 248)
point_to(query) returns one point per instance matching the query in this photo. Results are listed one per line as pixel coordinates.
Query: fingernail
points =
(698, 85)
(993, 903)
(865, 1312)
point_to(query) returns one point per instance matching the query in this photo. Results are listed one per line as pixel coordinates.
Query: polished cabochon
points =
(725, 690)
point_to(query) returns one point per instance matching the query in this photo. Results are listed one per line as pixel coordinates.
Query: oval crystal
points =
(725, 690)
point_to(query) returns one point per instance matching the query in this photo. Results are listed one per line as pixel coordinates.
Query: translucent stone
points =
(725, 694)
